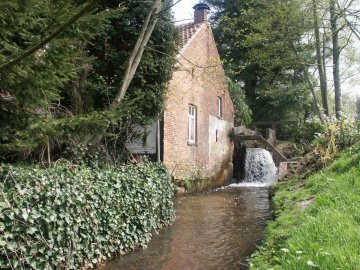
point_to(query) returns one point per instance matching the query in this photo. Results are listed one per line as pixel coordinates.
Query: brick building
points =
(194, 140)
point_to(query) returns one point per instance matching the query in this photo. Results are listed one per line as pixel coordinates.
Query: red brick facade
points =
(198, 80)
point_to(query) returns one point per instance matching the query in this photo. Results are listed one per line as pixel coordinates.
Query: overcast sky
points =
(184, 11)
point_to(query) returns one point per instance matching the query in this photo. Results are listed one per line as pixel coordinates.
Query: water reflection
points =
(213, 230)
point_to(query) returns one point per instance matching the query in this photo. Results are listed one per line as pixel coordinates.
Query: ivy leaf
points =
(31, 230)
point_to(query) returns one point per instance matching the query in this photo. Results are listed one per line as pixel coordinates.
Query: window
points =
(219, 107)
(192, 124)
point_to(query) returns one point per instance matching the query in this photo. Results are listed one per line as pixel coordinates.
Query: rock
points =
(180, 191)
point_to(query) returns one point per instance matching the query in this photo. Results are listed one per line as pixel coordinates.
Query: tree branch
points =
(348, 23)
(50, 37)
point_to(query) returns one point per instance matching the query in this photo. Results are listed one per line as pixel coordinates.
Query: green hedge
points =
(74, 217)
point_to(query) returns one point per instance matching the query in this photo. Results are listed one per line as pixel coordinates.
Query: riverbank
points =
(317, 220)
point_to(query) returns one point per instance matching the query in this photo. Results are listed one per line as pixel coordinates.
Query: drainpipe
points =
(158, 141)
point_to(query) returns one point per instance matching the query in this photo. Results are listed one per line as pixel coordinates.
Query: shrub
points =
(75, 217)
(307, 133)
(346, 133)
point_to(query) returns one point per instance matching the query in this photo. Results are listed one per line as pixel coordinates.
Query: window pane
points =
(192, 130)
(219, 107)
(192, 124)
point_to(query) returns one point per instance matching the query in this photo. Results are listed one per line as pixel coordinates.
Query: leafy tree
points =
(241, 109)
(115, 47)
(62, 92)
(34, 85)
(335, 24)
(257, 39)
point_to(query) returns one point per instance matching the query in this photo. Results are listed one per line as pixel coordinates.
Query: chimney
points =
(200, 13)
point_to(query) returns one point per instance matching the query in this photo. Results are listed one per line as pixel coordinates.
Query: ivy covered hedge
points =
(75, 217)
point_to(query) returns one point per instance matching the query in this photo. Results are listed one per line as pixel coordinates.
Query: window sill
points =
(192, 143)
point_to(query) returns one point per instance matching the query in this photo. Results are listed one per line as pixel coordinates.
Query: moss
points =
(197, 184)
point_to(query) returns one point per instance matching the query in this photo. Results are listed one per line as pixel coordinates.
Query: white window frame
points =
(192, 114)
(219, 107)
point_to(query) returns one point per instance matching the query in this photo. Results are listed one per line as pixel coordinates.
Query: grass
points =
(322, 235)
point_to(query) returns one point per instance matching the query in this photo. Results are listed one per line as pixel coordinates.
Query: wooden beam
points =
(264, 142)
(273, 124)
(280, 122)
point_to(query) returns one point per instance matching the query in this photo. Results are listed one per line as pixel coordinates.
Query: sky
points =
(184, 13)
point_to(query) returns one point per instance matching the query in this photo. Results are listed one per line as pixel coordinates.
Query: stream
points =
(217, 229)
(213, 230)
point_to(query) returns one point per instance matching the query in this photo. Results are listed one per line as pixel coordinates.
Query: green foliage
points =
(188, 184)
(62, 93)
(307, 133)
(339, 135)
(257, 40)
(37, 82)
(113, 49)
(347, 133)
(242, 110)
(40, 131)
(325, 143)
(70, 217)
(325, 234)
(358, 109)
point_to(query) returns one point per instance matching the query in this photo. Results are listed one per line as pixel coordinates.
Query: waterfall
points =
(260, 169)
(259, 166)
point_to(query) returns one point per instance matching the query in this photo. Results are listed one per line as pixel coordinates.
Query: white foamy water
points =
(260, 169)
(251, 184)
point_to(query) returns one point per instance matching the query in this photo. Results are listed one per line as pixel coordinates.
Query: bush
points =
(307, 133)
(69, 218)
(346, 133)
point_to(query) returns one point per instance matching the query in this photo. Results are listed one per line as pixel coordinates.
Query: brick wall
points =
(198, 80)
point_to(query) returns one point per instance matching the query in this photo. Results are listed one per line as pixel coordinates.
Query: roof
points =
(186, 32)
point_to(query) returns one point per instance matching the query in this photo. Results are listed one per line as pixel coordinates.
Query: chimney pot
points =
(201, 12)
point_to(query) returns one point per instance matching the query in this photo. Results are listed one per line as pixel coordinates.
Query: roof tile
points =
(186, 32)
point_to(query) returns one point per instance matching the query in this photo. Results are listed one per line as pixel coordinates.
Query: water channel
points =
(213, 230)
(217, 229)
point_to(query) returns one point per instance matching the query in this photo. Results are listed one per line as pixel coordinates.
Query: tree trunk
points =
(133, 63)
(336, 58)
(310, 84)
(319, 57)
(324, 55)
(315, 99)
(137, 53)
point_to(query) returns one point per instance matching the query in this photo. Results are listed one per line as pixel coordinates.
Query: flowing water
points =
(213, 230)
(259, 167)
